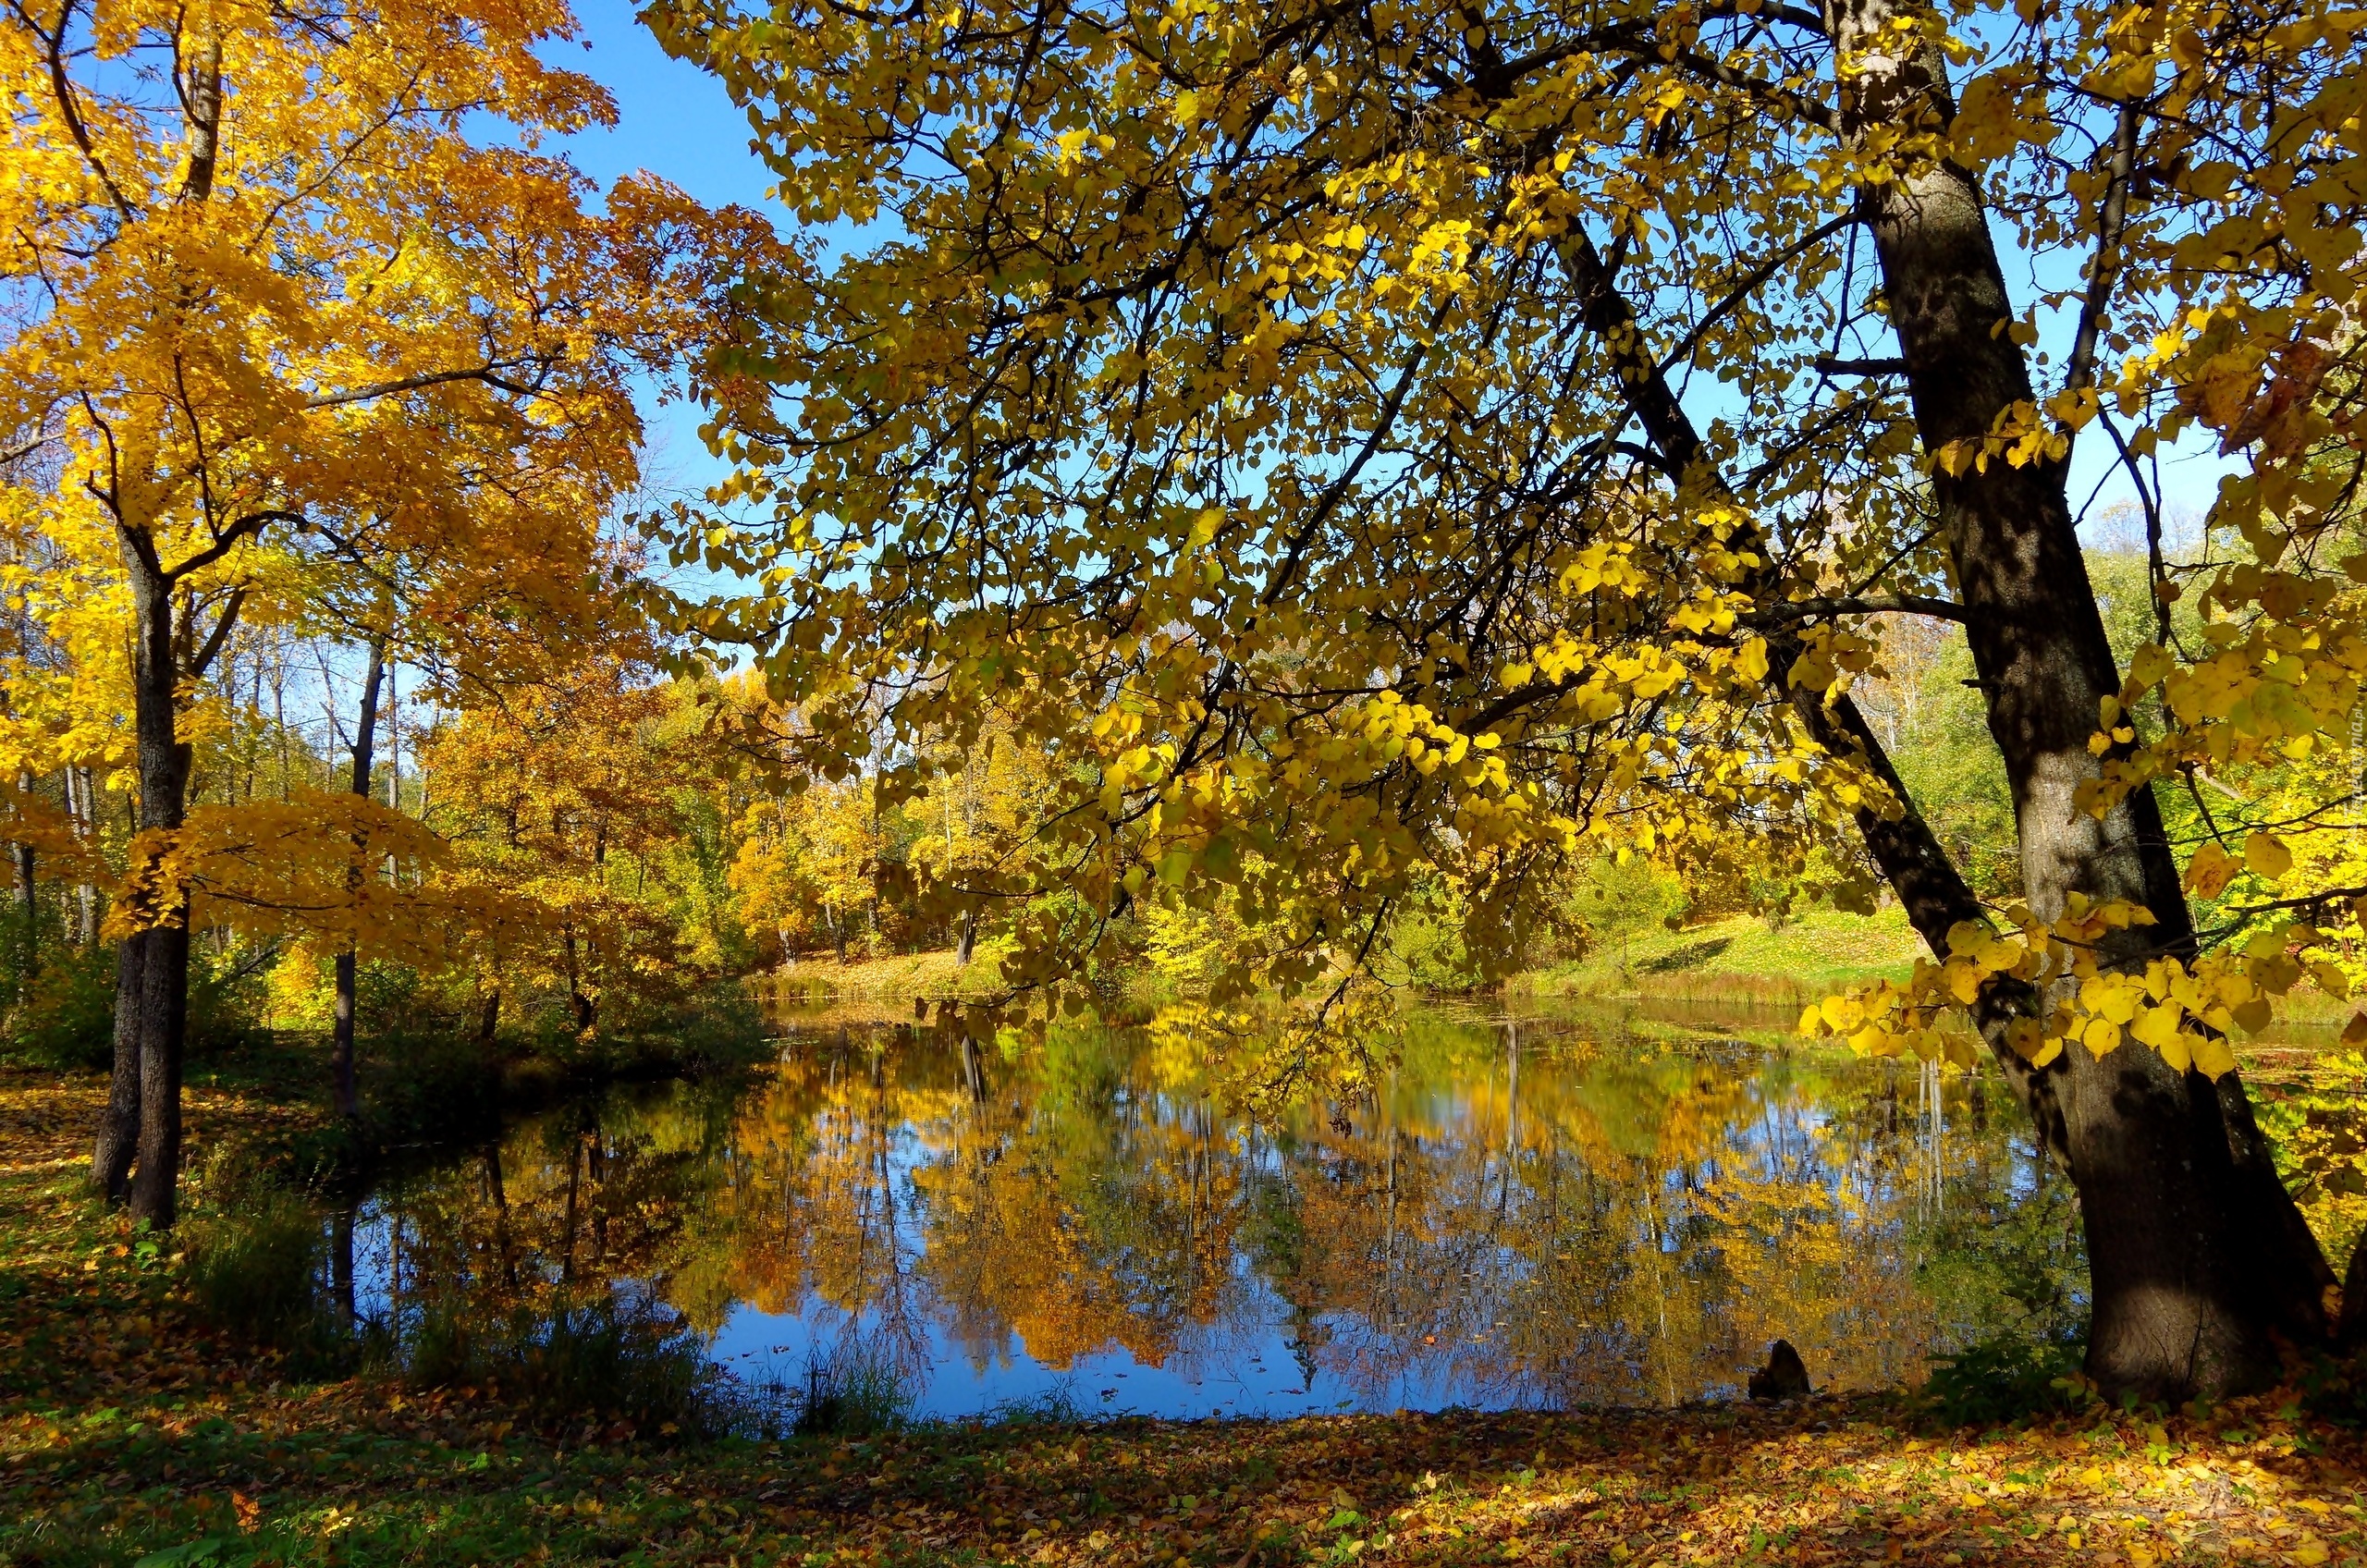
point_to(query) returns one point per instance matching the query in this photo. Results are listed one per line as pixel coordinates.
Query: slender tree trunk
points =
(82, 810)
(2202, 1267)
(28, 905)
(349, 1095)
(587, 1010)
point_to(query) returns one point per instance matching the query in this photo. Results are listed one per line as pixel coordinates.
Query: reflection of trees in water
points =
(578, 1199)
(1508, 1218)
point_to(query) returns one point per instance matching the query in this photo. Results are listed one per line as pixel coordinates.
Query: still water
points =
(1540, 1211)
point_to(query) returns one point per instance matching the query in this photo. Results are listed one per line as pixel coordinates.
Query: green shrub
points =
(596, 1360)
(2003, 1381)
(64, 1018)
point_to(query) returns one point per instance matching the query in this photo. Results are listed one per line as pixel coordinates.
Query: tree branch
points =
(1749, 285)
(226, 541)
(2103, 267)
(1827, 365)
(1792, 610)
(414, 383)
(220, 634)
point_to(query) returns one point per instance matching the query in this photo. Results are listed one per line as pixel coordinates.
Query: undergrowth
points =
(2005, 1382)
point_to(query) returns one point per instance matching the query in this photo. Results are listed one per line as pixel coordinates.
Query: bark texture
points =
(152, 996)
(2202, 1269)
(118, 1140)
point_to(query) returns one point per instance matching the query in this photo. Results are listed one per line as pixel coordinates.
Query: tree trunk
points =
(2199, 1259)
(967, 942)
(28, 906)
(156, 1003)
(151, 977)
(349, 1095)
(118, 1142)
(2201, 1266)
(586, 1008)
(82, 809)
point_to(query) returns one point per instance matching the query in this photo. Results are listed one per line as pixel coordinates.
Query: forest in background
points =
(655, 846)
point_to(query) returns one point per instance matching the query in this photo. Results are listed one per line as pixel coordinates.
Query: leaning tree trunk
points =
(2202, 1267)
(152, 990)
(348, 1098)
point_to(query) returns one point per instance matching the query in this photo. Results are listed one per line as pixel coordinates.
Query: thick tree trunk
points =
(349, 1095)
(155, 1001)
(2172, 1161)
(2201, 1266)
(966, 942)
(118, 1142)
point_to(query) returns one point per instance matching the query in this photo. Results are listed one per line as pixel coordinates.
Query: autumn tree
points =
(268, 291)
(1389, 435)
(807, 865)
(569, 801)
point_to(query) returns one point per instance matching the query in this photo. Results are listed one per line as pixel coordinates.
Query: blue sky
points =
(676, 122)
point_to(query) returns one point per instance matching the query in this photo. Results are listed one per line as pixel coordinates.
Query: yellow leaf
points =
(2210, 870)
(2265, 855)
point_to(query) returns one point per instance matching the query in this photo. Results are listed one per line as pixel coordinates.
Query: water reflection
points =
(1547, 1212)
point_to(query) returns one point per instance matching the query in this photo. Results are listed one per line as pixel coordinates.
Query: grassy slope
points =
(122, 1430)
(1741, 958)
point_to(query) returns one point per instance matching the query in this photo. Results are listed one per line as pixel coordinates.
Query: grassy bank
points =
(1742, 959)
(882, 988)
(125, 1431)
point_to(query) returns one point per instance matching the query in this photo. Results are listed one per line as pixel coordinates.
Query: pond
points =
(1553, 1210)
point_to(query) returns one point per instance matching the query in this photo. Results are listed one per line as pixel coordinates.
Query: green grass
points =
(1741, 958)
